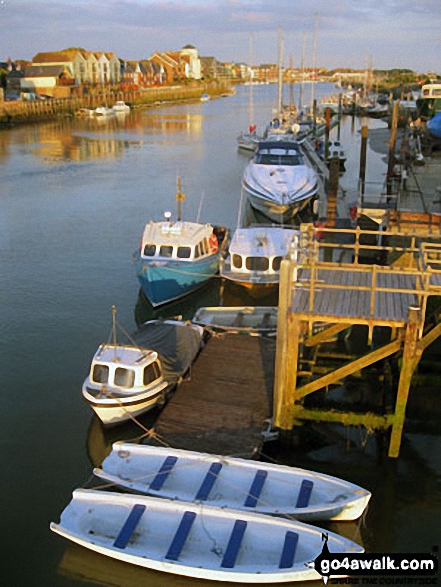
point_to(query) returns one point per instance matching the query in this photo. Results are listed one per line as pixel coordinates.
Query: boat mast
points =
(280, 85)
(302, 68)
(314, 58)
(291, 85)
(180, 197)
(114, 330)
(250, 70)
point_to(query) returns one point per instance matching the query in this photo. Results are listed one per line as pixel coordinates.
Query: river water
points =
(74, 197)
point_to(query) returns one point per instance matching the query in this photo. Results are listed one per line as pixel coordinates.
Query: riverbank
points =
(20, 111)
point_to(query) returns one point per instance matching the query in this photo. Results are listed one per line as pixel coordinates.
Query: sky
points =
(350, 33)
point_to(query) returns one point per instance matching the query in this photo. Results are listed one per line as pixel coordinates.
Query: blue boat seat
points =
(256, 489)
(181, 536)
(208, 482)
(289, 550)
(130, 524)
(304, 494)
(234, 543)
(163, 473)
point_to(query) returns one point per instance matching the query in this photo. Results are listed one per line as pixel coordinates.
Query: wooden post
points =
(392, 140)
(327, 131)
(363, 151)
(285, 375)
(407, 368)
(331, 207)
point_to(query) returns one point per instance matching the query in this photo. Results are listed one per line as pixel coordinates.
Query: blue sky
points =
(390, 33)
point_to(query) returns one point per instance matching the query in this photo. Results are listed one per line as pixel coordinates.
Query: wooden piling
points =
(407, 369)
(363, 152)
(392, 140)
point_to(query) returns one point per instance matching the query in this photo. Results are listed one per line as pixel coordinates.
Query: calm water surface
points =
(74, 198)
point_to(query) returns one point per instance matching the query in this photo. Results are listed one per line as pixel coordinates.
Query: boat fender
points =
(213, 243)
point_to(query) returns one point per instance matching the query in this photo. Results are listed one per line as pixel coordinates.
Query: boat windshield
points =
(151, 373)
(124, 377)
(275, 159)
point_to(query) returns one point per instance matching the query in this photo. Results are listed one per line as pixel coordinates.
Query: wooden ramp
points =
(223, 407)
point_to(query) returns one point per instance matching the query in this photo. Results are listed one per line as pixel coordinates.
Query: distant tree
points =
(3, 74)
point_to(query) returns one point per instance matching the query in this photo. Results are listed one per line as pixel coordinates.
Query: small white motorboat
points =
(255, 254)
(196, 540)
(126, 380)
(232, 483)
(121, 107)
(103, 111)
(237, 318)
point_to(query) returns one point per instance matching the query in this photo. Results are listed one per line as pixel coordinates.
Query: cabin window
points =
(237, 261)
(151, 373)
(100, 373)
(276, 263)
(149, 250)
(436, 92)
(205, 246)
(257, 263)
(166, 251)
(124, 377)
(184, 252)
(197, 252)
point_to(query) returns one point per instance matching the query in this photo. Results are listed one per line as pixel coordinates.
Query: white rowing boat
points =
(196, 540)
(232, 483)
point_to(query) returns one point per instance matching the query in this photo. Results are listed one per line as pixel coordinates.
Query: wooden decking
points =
(357, 295)
(223, 407)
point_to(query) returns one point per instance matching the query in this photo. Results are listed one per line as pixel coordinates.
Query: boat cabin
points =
(124, 369)
(429, 102)
(260, 249)
(278, 153)
(184, 241)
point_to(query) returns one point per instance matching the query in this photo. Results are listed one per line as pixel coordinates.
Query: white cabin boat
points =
(277, 181)
(255, 255)
(121, 107)
(126, 380)
(196, 540)
(233, 483)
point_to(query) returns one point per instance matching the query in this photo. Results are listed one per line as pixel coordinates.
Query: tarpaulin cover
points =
(177, 344)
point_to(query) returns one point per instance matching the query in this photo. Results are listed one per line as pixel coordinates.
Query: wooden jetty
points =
(224, 406)
(336, 289)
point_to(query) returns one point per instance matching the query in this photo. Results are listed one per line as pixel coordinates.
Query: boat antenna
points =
(200, 206)
(240, 207)
(114, 329)
(180, 197)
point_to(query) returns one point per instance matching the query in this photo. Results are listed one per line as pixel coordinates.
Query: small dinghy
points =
(234, 483)
(196, 540)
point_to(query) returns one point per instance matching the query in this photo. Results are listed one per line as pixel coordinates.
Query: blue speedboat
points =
(176, 258)
(434, 126)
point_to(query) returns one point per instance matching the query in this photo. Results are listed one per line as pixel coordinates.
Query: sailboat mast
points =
(250, 69)
(291, 85)
(302, 67)
(280, 85)
(314, 58)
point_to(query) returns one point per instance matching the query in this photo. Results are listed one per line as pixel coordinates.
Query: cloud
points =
(393, 32)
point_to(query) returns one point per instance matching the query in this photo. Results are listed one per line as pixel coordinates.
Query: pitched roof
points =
(54, 57)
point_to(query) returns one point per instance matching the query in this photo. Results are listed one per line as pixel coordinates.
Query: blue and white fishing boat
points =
(177, 257)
